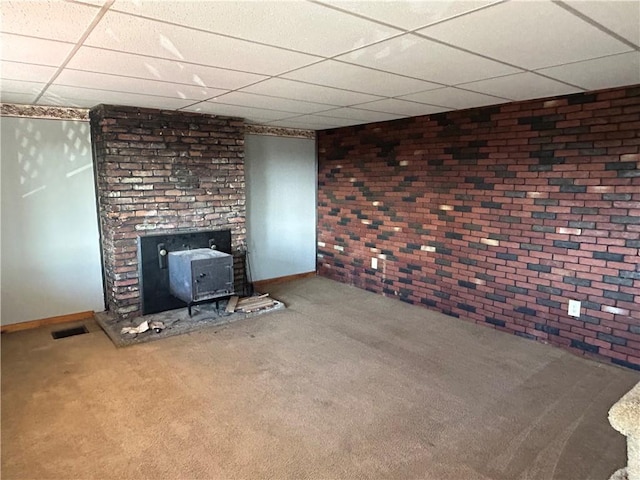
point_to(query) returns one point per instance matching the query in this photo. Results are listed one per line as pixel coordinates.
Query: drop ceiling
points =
(313, 64)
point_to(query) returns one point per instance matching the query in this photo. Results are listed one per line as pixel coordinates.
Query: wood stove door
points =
(211, 278)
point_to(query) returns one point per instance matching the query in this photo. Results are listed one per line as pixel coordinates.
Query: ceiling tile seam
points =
(122, 91)
(320, 113)
(288, 118)
(84, 4)
(278, 76)
(486, 94)
(405, 30)
(361, 105)
(155, 57)
(449, 107)
(549, 77)
(324, 120)
(420, 35)
(169, 83)
(196, 102)
(387, 72)
(506, 98)
(380, 97)
(268, 77)
(463, 14)
(241, 88)
(77, 46)
(359, 119)
(486, 57)
(210, 32)
(243, 106)
(465, 50)
(347, 90)
(36, 38)
(163, 82)
(356, 15)
(443, 85)
(596, 24)
(587, 60)
(279, 98)
(400, 33)
(315, 125)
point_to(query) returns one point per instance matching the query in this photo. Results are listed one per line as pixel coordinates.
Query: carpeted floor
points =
(342, 384)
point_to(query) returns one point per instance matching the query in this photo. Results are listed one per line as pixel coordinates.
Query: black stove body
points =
(200, 275)
(153, 264)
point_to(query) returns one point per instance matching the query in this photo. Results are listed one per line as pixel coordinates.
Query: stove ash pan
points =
(199, 275)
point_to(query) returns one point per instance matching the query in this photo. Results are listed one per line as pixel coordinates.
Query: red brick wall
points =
(160, 172)
(498, 215)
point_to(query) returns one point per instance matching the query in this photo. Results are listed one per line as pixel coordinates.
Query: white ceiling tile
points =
(621, 17)
(324, 31)
(254, 114)
(139, 56)
(26, 71)
(294, 123)
(530, 35)
(270, 103)
(98, 3)
(120, 63)
(17, 48)
(131, 34)
(408, 14)
(454, 98)
(606, 72)
(17, 98)
(49, 19)
(417, 57)
(21, 86)
(279, 87)
(522, 86)
(102, 81)
(360, 79)
(19, 91)
(401, 107)
(360, 115)
(88, 98)
(326, 122)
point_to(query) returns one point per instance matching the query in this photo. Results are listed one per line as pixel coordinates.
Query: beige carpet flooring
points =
(344, 384)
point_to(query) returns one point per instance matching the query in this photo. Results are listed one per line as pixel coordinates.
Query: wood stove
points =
(200, 275)
(153, 264)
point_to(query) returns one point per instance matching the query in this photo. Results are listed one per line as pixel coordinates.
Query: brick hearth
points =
(163, 172)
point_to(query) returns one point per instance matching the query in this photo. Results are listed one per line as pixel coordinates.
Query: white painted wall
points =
(281, 182)
(49, 252)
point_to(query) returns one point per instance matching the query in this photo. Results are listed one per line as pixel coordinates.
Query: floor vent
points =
(69, 332)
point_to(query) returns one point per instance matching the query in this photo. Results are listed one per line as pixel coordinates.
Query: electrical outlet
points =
(374, 263)
(574, 308)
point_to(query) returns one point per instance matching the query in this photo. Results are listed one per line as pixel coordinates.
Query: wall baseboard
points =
(260, 284)
(71, 317)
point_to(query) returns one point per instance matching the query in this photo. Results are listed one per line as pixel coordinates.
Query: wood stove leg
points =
(189, 309)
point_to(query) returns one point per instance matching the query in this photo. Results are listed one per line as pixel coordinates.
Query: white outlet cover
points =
(374, 262)
(574, 308)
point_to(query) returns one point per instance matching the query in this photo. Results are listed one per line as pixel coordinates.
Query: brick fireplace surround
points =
(163, 172)
(497, 215)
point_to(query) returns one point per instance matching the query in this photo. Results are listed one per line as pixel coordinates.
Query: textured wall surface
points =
(498, 215)
(281, 205)
(50, 249)
(159, 172)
